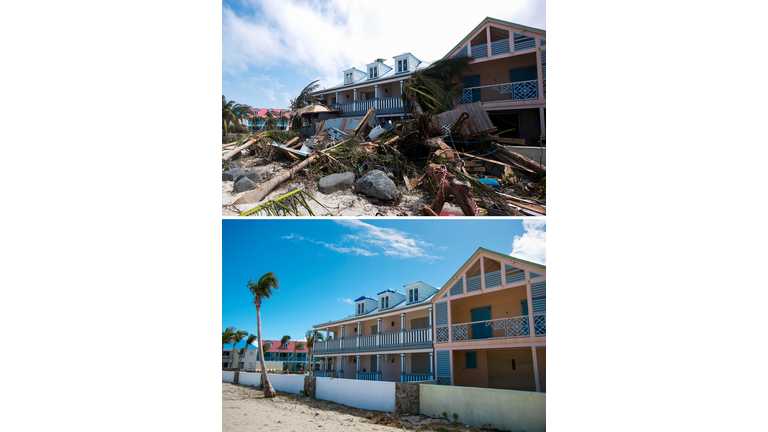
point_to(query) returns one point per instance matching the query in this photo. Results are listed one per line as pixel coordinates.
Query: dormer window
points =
(285, 345)
(385, 302)
(348, 78)
(373, 72)
(402, 65)
(413, 295)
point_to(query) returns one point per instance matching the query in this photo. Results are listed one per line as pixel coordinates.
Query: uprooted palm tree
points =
(301, 103)
(231, 113)
(432, 90)
(262, 290)
(312, 337)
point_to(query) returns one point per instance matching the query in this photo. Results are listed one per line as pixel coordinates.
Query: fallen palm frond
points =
(480, 189)
(288, 204)
(281, 136)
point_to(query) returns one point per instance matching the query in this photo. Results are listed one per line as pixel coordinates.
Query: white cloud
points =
(395, 243)
(322, 39)
(338, 248)
(343, 300)
(532, 245)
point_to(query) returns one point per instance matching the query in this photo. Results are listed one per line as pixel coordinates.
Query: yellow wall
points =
(503, 409)
(470, 377)
(497, 72)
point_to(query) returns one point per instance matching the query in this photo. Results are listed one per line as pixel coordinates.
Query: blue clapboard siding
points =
(458, 287)
(523, 42)
(534, 274)
(445, 295)
(462, 53)
(473, 283)
(441, 313)
(514, 274)
(500, 47)
(544, 64)
(444, 363)
(492, 279)
(543, 42)
(480, 51)
(539, 297)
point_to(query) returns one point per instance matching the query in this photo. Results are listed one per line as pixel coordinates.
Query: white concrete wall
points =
(227, 376)
(252, 379)
(287, 383)
(373, 395)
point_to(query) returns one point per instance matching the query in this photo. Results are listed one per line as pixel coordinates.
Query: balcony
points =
(225, 359)
(400, 339)
(368, 376)
(390, 105)
(324, 373)
(522, 90)
(513, 327)
(415, 377)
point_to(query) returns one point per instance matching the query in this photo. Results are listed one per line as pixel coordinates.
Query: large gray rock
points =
(230, 174)
(253, 175)
(244, 184)
(336, 182)
(378, 185)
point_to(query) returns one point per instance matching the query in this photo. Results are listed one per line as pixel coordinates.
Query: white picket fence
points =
(373, 395)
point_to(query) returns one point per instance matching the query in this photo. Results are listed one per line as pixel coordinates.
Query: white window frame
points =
(285, 345)
(399, 66)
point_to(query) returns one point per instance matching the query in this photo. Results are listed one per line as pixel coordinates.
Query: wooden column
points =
(530, 303)
(402, 329)
(358, 366)
(450, 357)
(337, 97)
(536, 369)
(431, 324)
(378, 363)
(539, 70)
(378, 332)
(488, 40)
(354, 100)
(482, 274)
(359, 330)
(450, 327)
(432, 364)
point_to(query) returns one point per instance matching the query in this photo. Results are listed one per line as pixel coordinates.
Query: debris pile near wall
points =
(449, 164)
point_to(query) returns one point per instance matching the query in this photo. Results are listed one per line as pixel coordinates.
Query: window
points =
(471, 360)
(405, 64)
(285, 345)
(399, 65)
(373, 72)
(410, 296)
(387, 302)
(416, 294)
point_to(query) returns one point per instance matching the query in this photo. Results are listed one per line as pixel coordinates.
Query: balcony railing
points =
(495, 328)
(369, 376)
(387, 105)
(396, 339)
(324, 374)
(522, 90)
(415, 377)
(224, 359)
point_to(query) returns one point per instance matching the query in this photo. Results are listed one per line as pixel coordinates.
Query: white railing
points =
(364, 105)
(417, 336)
(224, 359)
(391, 339)
(488, 329)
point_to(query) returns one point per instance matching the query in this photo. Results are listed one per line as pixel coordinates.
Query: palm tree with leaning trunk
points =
(262, 290)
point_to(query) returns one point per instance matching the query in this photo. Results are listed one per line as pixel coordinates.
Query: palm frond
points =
(288, 204)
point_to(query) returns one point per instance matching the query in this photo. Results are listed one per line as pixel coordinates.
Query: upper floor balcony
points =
(415, 338)
(511, 91)
(389, 105)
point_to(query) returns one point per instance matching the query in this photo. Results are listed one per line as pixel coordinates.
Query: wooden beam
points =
(361, 127)
(291, 143)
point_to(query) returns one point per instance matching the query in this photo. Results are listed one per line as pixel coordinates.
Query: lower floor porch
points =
(517, 368)
(384, 366)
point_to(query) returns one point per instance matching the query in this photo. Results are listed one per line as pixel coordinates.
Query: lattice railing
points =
(460, 332)
(519, 90)
(444, 380)
(466, 96)
(513, 327)
(540, 324)
(442, 334)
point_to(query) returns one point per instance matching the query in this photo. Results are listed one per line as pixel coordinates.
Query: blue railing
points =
(500, 47)
(480, 51)
(493, 279)
(540, 324)
(524, 42)
(462, 53)
(324, 374)
(521, 90)
(369, 376)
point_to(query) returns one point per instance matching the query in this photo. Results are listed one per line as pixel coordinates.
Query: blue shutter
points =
(441, 313)
(471, 359)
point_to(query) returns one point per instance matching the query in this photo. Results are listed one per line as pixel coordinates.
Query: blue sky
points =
(272, 50)
(323, 265)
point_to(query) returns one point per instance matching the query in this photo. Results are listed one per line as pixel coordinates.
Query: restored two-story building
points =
(283, 357)
(257, 117)
(490, 327)
(388, 338)
(508, 75)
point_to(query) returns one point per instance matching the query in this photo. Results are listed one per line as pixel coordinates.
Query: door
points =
(373, 363)
(473, 81)
(481, 330)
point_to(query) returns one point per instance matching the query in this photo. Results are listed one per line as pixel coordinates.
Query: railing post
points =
(359, 329)
(354, 100)
(376, 96)
(378, 363)
(402, 329)
(429, 332)
(431, 365)
(378, 332)
(402, 367)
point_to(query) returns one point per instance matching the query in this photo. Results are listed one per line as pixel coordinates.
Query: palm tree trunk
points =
(269, 392)
(232, 354)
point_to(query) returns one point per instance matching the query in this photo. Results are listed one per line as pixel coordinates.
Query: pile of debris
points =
(451, 159)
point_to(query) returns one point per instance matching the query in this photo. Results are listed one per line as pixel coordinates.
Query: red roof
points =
(262, 112)
(291, 345)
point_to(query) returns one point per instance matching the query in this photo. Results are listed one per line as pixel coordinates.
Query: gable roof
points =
(481, 249)
(490, 20)
(262, 112)
(365, 297)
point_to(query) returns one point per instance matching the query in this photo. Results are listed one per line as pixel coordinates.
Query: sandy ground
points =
(344, 203)
(244, 408)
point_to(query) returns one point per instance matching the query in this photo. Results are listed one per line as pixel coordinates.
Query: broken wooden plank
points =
(407, 182)
(517, 157)
(361, 127)
(532, 207)
(293, 143)
(231, 153)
